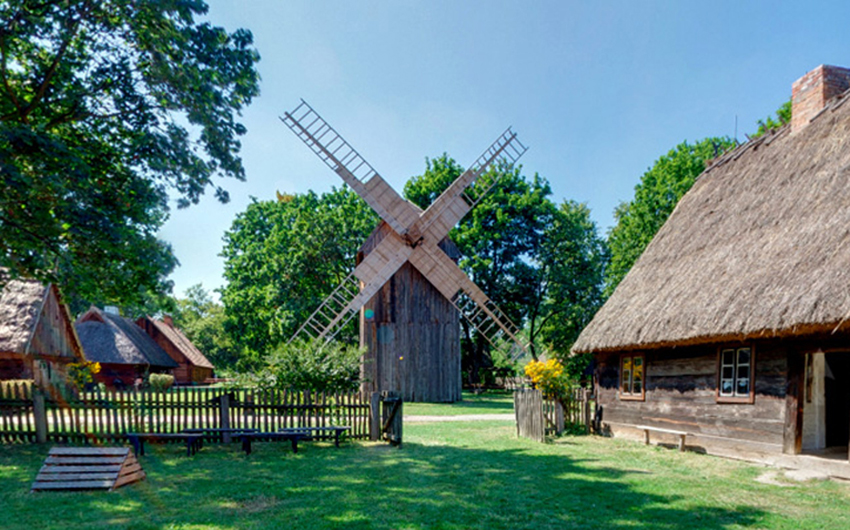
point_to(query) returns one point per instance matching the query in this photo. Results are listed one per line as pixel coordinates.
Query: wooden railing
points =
(31, 415)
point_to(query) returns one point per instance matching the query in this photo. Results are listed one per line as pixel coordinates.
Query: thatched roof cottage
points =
(734, 324)
(37, 337)
(122, 348)
(192, 365)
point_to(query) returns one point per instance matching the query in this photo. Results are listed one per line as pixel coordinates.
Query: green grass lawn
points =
(446, 476)
(489, 402)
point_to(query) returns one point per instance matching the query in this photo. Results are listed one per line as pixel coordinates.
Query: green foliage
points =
(550, 378)
(540, 263)
(314, 366)
(282, 258)
(782, 116)
(657, 194)
(82, 373)
(105, 109)
(161, 382)
(202, 320)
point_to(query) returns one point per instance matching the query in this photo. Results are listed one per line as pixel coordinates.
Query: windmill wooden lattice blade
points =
(450, 207)
(481, 312)
(338, 154)
(348, 297)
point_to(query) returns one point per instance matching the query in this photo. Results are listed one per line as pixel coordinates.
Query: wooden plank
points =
(64, 460)
(73, 477)
(792, 438)
(90, 451)
(112, 468)
(77, 485)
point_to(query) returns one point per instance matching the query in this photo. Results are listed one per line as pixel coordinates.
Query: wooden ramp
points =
(88, 468)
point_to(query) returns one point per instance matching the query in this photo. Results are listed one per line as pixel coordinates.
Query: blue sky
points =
(597, 90)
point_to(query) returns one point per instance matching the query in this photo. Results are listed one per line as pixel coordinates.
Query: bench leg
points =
(246, 445)
(336, 439)
(646, 436)
(681, 442)
(294, 445)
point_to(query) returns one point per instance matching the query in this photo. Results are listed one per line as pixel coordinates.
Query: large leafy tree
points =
(202, 320)
(282, 258)
(657, 194)
(541, 264)
(105, 108)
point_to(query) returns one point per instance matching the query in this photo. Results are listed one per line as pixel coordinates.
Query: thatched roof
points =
(112, 339)
(182, 343)
(759, 247)
(20, 304)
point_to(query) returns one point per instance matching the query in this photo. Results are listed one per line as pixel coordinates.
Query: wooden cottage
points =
(123, 349)
(37, 337)
(192, 365)
(734, 324)
(411, 333)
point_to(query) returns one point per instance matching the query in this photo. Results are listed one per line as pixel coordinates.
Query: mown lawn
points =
(446, 476)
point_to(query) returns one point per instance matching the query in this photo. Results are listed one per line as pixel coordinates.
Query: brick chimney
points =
(810, 93)
(167, 319)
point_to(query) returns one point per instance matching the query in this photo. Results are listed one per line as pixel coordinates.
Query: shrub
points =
(309, 365)
(550, 378)
(161, 382)
(82, 373)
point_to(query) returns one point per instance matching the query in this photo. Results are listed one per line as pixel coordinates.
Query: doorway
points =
(837, 398)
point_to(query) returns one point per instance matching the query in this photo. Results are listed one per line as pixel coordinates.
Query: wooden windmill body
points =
(407, 246)
(411, 333)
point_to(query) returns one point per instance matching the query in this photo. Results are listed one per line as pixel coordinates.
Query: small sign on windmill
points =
(407, 247)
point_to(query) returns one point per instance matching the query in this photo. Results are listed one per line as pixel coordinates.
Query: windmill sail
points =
(348, 297)
(341, 157)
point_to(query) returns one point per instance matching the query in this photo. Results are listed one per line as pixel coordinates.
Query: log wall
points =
(412, 336)
(681, 390)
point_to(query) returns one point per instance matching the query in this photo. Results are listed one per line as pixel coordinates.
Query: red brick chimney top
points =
(810, 93)
(167, 319)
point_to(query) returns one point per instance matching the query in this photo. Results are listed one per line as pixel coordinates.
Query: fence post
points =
(559, 417)
(40, 413)
(224, 416)
(375, 417)
(585, 401)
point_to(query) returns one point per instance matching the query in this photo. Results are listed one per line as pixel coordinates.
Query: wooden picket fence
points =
(537, 417)
(28, 415)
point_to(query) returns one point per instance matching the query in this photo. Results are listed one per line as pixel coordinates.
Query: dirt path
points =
(460, 417)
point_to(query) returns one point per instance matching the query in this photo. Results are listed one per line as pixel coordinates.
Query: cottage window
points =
(632, 376)
(735, 377)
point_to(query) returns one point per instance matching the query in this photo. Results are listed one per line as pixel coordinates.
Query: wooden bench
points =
(220, 434)
(336, 431)
(293, 436)
(647, 429)
(194, 442)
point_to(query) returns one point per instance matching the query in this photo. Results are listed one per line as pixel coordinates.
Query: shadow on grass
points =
(365, 486)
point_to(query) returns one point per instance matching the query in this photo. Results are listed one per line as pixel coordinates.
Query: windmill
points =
(411, 236)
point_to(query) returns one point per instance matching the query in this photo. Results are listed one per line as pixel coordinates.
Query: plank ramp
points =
(88, 468)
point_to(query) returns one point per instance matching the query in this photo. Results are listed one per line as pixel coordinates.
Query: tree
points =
(657, 194)
(571, 262)
(539, 263)
(782, 116)
(202, 320)
(282, 258)
(106, 107)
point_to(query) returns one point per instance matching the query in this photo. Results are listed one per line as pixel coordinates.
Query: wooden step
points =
(88, 468)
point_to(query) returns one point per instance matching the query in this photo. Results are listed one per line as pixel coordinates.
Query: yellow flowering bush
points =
(549, 377)
(82, 373)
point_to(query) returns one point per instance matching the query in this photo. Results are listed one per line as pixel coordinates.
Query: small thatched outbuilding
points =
(734, 324)
(192, 365)
(37, 337)
(123, 349)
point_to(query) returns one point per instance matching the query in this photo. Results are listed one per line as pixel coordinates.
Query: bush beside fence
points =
(106, 416)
